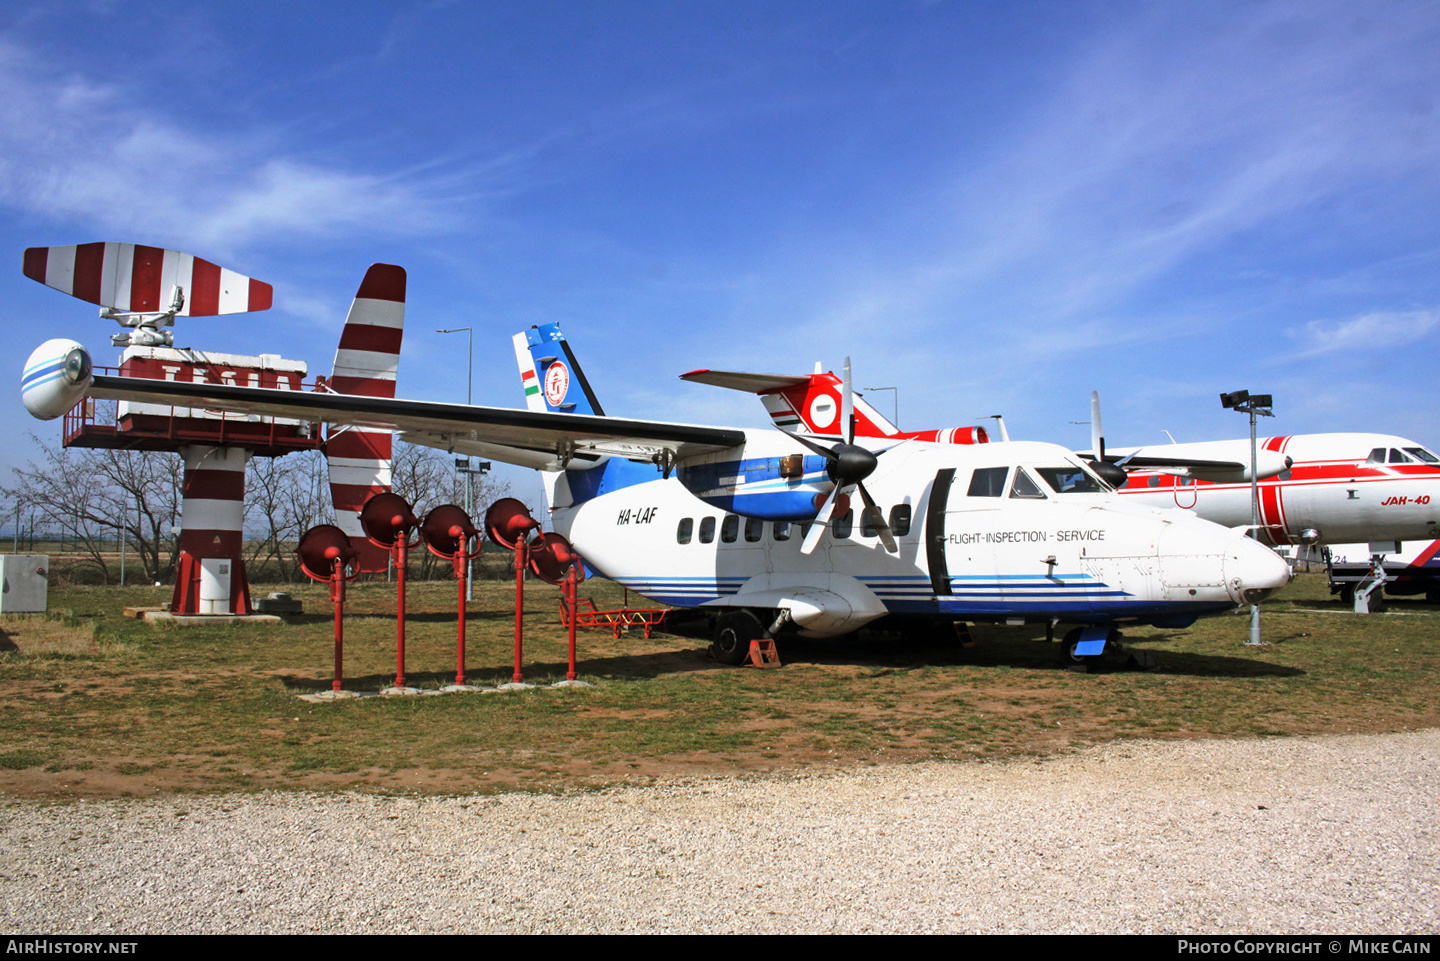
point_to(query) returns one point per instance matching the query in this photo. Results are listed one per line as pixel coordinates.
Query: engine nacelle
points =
(1269, 463)
(55, 379)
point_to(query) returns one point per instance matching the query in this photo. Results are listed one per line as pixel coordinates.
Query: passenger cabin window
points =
(685, 530)
(792, 466)
(1024, 487)
(988, 482)
(900, 520)
(730, 528)
(842, 526)
(707, 530)
(1154, 480)
(782, 530)
(754, 528)
(1068, 480)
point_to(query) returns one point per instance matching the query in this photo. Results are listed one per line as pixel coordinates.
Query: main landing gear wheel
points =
(733, 635)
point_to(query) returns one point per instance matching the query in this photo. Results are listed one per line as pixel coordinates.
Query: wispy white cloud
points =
(78, 149)
(1379, 331)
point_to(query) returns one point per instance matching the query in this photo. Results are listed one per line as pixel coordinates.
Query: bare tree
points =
(427, 478)
(93, 497)
(284, 497)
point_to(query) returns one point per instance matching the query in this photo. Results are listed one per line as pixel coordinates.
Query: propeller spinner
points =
(848, 467)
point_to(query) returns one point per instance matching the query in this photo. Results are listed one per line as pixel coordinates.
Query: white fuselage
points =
(1335, 487)
(992, 555)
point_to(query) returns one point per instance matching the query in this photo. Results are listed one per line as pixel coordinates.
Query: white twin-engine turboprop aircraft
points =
(759, 525)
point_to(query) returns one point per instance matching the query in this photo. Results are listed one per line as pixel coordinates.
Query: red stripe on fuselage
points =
(1272, 512)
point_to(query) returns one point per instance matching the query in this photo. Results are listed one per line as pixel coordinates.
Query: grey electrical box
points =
(26, 583)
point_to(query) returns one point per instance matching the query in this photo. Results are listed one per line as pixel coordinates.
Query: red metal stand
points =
(325, 555)
(387, 521)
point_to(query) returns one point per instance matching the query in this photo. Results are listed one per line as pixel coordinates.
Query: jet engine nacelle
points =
(55, 379)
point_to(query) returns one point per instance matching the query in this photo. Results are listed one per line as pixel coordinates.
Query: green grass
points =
(134, 709)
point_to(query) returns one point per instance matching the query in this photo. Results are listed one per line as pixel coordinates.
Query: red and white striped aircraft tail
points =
(366, 363)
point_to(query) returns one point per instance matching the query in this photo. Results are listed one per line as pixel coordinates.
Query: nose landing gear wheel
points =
(733, 635)
(1091, 662)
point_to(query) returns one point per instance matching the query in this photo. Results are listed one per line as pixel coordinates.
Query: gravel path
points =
(1320, 835)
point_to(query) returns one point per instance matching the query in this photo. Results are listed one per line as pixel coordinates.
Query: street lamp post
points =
(469, 496)
(1256, 405)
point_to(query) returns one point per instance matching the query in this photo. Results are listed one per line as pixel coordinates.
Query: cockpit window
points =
(1069, 480)
(1025, 487)
(1399, 457)
(1423, 455)
(988, 482)
(1377, 456)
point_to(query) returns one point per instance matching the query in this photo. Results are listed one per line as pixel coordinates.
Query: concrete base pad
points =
(153, 616)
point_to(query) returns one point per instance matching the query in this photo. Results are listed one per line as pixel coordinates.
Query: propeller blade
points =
(822, 520)
(847, 406)
(822, 451)
(1097, 431)
(872, 517)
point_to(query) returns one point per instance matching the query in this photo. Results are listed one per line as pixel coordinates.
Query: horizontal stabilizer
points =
(749, 383)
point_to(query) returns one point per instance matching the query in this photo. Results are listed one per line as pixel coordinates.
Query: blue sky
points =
(997, 207)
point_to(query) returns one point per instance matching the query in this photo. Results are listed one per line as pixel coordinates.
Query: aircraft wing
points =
(1160, 463)
(536, 439)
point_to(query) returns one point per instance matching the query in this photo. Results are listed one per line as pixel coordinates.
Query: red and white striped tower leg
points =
(211, 579)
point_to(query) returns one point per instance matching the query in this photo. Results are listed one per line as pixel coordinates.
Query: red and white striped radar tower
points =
(144, 289)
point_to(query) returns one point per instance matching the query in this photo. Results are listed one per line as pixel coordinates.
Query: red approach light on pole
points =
(553, 559)
(508, 521)
(325, 555)
(388, 520)
(551, 556)
(448, 532)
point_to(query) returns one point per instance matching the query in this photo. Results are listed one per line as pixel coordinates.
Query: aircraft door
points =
(935, 532)
(963, 555)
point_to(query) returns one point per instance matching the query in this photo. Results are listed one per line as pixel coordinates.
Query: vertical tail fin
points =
(553, 381)
(550, 374)
(813, 407)
(366, 362)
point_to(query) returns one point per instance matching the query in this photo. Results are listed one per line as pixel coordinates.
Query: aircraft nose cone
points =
(1254, 571)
